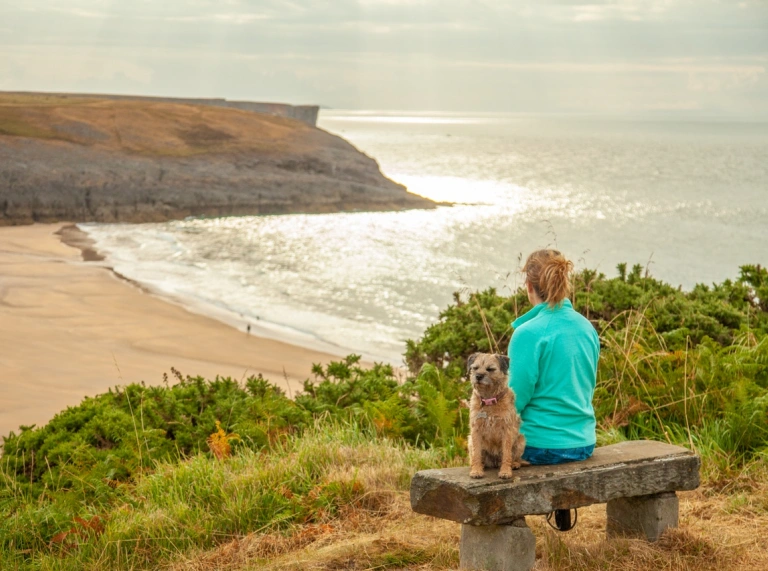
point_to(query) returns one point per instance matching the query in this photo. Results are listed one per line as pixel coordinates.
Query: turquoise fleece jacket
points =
(553, 367)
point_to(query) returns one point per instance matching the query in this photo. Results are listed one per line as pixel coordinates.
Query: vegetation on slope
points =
(202, 502)
(152, 128)
(142, 476)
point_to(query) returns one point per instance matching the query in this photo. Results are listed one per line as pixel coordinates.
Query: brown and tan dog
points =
(494, 438)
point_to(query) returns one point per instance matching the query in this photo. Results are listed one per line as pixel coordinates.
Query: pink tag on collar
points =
(490, 401)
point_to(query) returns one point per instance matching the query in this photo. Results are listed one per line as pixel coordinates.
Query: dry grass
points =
(711, 536)
(717, 531)
(151, 128)
(380, 531)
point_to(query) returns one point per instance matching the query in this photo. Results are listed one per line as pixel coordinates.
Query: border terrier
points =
(494, 425)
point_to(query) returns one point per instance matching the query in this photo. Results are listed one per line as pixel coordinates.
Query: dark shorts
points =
(539, 456)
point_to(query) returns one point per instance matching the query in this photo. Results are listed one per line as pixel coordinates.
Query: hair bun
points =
(561, 264)
(548, 271)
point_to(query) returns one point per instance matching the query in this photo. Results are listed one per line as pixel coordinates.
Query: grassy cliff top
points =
(154, 128)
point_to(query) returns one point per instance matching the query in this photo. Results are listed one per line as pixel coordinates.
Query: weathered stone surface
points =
(628, 469)
(497, 547)
(644, 516)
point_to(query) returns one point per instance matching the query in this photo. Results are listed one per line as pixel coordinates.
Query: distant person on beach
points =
(553, 366)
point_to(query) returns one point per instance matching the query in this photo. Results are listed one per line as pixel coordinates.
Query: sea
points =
(685, 198)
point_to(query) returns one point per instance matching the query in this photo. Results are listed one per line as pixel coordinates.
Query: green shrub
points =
(672, 363)
(109, 438)
(343, 388)
(479, 323)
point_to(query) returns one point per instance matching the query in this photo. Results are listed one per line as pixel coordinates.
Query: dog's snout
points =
(479, 376)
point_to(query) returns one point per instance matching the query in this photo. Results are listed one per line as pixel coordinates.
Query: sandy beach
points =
(70, 328)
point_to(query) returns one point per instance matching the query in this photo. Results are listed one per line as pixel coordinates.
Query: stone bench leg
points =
(509, 547)
(642, 516)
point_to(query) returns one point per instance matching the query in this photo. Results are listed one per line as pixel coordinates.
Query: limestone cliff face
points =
(139, 161)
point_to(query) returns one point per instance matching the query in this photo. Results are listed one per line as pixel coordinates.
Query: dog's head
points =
(488, 372)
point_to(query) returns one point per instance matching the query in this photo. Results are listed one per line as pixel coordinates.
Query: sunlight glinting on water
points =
(413, 120)
(457, 190)
(685, 200)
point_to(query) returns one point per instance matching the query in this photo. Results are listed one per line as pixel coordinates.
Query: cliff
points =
(126, 160)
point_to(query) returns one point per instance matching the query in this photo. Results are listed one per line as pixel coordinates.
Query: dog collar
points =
(489, 402)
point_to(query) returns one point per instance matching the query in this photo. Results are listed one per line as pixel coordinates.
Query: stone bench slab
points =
(624, 470)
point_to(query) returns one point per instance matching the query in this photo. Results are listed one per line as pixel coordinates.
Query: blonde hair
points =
(548, 272)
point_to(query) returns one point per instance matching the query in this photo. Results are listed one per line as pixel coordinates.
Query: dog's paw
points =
(505, 474)
(516, 465)
(523, 463)
(476, 474)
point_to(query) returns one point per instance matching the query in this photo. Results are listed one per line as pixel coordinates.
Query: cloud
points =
(453, 54)
(747, 70)
(632, 10)
(228, 18)
(734, 80)
(38, 65)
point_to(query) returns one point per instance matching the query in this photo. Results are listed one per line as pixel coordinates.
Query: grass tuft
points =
(298, 489)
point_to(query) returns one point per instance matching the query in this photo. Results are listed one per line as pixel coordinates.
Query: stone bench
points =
(637, 479)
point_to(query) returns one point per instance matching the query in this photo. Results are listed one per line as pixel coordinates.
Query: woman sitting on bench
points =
(553, 366)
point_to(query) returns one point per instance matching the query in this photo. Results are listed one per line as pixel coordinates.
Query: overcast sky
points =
(700, 56)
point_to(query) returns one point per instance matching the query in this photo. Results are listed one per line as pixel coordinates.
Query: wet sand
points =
(71, 328)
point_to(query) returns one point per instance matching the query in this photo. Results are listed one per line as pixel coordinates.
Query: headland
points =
(125, 159)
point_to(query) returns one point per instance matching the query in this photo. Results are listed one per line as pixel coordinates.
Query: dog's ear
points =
(471, 360)
(503, 363)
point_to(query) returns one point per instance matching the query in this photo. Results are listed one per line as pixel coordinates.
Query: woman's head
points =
(547, 275)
